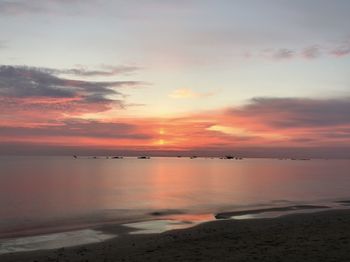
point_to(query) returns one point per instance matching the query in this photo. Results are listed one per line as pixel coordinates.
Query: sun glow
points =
(234, 131)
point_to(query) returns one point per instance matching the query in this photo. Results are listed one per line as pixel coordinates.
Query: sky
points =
(162, 77)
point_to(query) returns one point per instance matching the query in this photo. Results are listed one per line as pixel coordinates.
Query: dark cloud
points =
(32, 85)
(29, 81)
(77, 128)
(297, 112)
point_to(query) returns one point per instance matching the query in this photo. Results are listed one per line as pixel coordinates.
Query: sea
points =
(41, 195)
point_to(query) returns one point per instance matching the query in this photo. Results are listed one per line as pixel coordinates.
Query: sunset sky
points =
(162, 77)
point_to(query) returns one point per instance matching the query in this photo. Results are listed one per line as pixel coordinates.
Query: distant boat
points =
(117, 157)
(232, 157)
(143, 157)
(75, 157)
(301, 159)
(192, 157)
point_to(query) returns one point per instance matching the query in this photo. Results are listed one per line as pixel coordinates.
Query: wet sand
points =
(226, 215)
(323, 236)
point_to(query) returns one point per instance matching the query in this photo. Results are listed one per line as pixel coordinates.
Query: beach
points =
(320, 236)
(150, 130)
(170, 209)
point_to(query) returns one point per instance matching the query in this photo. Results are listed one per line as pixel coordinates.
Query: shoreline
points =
(124, 216)
(238, 238)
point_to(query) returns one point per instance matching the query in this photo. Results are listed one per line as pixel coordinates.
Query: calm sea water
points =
(38, 192)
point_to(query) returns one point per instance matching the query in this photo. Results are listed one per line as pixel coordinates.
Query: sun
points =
(161, 142)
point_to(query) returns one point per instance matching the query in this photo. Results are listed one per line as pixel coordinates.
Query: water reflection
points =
(170, 222)
(35, 190)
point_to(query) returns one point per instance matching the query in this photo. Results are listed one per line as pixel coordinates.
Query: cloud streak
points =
(106, 71)
(78, 128)
(20, 7)
(309, 52)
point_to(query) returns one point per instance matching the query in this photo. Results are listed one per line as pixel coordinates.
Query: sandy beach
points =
(322, 236)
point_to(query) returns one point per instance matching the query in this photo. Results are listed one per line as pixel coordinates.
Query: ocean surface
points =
(52, 194)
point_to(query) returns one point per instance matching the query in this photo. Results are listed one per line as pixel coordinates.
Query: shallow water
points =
(53, 241)
(39, 194)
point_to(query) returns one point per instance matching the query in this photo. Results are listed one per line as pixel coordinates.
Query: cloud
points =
(15, 7)
(78, 128)
(341, 50)
(297, 112)
(284, 53)
(18, 7)
(60, 7)
(311, 52)
(39, 107)
(273, 122)
(185, 93)
(105, 71)
(29, 89)
(243, 133)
